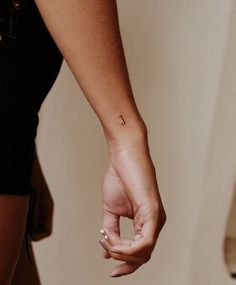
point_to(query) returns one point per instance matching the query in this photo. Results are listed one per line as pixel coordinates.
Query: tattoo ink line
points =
(123, 121)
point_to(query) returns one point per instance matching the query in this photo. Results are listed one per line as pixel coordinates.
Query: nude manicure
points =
(104, 234)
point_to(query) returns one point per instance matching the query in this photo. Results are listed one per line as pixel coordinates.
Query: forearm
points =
(87, 33)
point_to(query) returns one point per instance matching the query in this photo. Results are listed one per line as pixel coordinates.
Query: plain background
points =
(181, 58)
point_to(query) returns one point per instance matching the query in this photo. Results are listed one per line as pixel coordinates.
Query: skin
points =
(42, 217)
(26, 272)
(12, 208)
(90, 41)
(41, 221)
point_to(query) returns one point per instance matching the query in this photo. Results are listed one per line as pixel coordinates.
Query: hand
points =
(130, 190)
(41, 218)
(42, 215)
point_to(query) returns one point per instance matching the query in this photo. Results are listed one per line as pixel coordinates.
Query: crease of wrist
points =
(140, 143)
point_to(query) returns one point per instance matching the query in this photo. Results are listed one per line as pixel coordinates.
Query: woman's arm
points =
(87, 33)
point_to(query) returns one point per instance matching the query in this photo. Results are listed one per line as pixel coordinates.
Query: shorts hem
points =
(16, 190)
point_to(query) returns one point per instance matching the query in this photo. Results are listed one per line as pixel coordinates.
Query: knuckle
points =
(147, 258)
(162, 215)
(164, 218)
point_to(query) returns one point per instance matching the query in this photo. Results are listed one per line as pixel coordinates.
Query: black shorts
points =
(29, 64)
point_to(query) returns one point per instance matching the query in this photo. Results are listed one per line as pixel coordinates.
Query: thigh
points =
(24, 265)
(13, 212)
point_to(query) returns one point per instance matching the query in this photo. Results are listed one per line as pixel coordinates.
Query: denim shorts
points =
(29, 64)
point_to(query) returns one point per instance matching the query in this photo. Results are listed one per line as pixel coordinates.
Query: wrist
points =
(132, 135)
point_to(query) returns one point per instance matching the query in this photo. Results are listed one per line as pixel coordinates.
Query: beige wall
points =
(182, 64)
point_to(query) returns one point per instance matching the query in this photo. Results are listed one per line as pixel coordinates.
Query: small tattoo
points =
(123, 121)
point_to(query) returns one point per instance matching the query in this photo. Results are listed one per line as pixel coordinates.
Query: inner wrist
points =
(133, 136)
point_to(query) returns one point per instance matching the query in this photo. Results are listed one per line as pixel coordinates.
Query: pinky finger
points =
(124, 268)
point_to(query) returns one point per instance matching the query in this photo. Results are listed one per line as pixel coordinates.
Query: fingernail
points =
(104, 234)
(106, 237)
(115, 275)
(103, 244)
(115, 250)
(102, 231)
